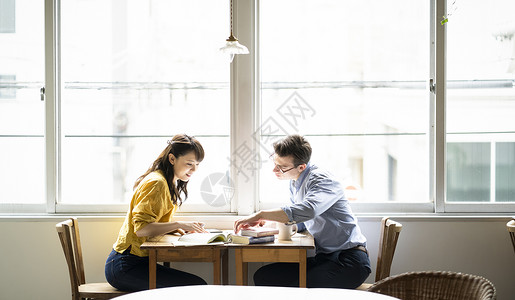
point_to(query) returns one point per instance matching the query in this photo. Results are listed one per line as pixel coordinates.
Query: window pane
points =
(22, 113)
(355, 87)
(468, 175)
(481, 97)
(8, 16)
(505, 172)
(138, 73)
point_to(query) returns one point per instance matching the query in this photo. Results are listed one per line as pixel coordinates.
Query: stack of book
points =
(255, 235)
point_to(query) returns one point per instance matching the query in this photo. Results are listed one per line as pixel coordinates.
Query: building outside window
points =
(7, 16)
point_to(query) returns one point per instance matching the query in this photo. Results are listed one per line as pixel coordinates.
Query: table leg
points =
(216, 267)
(225, 267)
(245, 273)
(302, 267)
(152, 261)
(241, 268)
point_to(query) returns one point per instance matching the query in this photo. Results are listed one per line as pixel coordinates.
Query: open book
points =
(221, 238)
(203, 238)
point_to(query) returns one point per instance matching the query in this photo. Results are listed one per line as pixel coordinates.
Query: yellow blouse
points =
(150, 203)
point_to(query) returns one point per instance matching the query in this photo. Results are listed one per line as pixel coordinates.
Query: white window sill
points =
(226, 221)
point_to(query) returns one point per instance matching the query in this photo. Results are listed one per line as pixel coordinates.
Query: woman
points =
(157, 195)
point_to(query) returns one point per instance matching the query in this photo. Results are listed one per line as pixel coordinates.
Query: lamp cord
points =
(231, 17)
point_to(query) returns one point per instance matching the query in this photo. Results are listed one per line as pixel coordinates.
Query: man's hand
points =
(250, 221)
(259, 218)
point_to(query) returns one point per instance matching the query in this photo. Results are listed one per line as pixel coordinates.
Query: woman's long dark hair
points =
(181, 144)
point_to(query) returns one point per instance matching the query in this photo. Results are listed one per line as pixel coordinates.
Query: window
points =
(480, 104)
(122, 77)
(140, 72)
(351, 77)
(22, 115)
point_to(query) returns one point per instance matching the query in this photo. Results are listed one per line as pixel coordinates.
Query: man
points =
(318, 204)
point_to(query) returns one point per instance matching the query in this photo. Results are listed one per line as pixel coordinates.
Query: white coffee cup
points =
(286, 231)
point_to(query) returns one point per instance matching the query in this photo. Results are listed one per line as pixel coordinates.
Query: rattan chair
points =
(68, 232)
(435, 285)
(511, 229)
(390, 231)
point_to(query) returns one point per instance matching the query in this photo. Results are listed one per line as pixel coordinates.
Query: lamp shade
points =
(233, 47)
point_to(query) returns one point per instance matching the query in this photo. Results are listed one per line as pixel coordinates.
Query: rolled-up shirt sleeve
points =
(320, 195)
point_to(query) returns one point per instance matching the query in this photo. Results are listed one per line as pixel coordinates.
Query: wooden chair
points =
(68, 232)
(511, 229)
(390, 231)
(436, 285)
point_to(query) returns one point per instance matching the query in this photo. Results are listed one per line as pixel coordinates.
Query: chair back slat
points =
(77, 249)
(389, 236)
(67, 235)
(511, 229)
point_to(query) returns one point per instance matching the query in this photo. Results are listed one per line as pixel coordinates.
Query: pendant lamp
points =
(232, 46)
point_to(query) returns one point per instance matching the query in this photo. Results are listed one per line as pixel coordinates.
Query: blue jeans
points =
(346, 269)
(129, 272)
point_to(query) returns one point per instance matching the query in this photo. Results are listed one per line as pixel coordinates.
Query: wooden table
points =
(163, 250)
(233, 292)
(279, 251)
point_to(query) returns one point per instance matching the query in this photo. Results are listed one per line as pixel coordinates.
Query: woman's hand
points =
(177, 231)
(192, 226)
(156, 228)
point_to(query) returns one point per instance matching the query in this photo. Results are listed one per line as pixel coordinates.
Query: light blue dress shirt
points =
(319, 202)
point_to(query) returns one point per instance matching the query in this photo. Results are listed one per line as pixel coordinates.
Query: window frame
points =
(245, 116)
(54, 85)
(436, 134)
(399, 207)
(439, 101)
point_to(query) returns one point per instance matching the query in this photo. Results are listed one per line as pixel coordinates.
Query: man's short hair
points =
(296, 146)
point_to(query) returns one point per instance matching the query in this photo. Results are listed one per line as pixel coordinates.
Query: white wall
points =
(33, 266)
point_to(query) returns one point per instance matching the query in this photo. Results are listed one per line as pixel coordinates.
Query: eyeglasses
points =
(277, 166)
